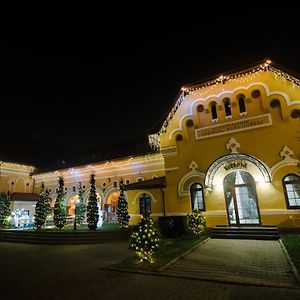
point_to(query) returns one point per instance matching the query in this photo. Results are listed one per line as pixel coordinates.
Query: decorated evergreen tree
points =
(60, 211)
(47, 204)
(145, 239)
(40, 213)
(80, 206)
(196, 222)
(5, 210)
(122, 209)
(92, 206)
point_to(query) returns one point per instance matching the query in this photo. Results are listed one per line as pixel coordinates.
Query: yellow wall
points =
(15, 178)
(263, 143)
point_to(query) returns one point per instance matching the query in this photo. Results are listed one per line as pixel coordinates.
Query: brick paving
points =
(76, 272)
(233, 260)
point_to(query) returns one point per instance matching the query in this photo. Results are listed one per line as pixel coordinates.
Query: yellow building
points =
(232, 147)
(17, 180)
(229, 147)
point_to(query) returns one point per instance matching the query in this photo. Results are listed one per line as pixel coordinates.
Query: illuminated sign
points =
(235, 164)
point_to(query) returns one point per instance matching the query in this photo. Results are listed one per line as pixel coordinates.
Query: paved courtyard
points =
(78, 272)
(240, 261)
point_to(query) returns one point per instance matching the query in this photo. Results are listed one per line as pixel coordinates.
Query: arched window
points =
(197, 199)
(227, 107)
(291, 184)
(242, 104)
(214, 114)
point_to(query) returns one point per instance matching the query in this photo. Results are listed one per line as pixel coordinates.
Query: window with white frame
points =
(197, 198)
(291, 184)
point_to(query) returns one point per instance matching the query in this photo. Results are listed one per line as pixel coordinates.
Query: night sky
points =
(77, 78)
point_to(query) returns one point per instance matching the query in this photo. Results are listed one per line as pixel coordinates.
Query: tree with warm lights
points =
(47, 204)
(92, 212)
(5, 210)
(196, 222)
(80, 206)
(145, 239)
(60, 210)
(40, 213)
(122, 209)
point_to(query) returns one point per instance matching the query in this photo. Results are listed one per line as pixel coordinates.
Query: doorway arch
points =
(241, 199)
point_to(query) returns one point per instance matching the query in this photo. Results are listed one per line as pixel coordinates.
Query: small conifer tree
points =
(60, 211)
(196, 222)
(92, 206)
(40, 213)
(122, 209)
(5, 212)
(80, 206)
(145, 239)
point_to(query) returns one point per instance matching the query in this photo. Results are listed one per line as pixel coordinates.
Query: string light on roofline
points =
(154, 139)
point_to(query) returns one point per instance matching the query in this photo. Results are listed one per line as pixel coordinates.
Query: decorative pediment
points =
(286, 153)
(189, 178)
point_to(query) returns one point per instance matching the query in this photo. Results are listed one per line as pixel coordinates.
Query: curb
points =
(291, 263)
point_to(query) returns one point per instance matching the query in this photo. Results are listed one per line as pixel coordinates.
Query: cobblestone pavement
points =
(76, 272)
(233, 260)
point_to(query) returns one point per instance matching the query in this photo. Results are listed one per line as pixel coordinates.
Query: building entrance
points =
(241, 199)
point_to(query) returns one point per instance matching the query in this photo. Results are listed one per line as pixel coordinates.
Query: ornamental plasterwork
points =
(286, 153)
(233, 144)
(191, 177)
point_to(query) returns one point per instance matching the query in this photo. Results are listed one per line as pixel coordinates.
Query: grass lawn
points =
(169, 249)
(291, 242)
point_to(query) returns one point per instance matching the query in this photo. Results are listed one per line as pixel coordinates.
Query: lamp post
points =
(75, 215)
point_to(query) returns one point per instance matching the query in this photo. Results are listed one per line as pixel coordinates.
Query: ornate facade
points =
(229, 147)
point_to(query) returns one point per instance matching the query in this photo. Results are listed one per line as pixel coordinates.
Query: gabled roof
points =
(155, 183)
(265, 65)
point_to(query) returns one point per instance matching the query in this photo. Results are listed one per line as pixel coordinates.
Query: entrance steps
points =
(63, 237)
(249, 232)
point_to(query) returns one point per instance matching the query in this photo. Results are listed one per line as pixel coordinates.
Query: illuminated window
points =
(242, 104)
(214, 114)
(227, 107)
(197, 199)
(291, 184)
(145, 205)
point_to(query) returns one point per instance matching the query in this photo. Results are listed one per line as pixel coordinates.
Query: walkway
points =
(237, 261)
(76, 272)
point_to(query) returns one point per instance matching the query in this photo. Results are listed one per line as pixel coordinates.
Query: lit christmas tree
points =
(80, 206)
(145, 239)
(47, 205)
(60, 211)
(92, 206)
(40, 213)
(196, 222)
(122, 210)
(5, 210)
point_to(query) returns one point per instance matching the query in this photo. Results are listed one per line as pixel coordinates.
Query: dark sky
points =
(77, 77)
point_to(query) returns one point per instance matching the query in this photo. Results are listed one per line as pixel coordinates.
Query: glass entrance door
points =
(241, 199)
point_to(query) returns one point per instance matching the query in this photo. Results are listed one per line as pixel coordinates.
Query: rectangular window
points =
(145, 205)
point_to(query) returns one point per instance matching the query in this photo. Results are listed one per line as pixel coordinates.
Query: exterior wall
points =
(15, 178)
(157, 203)
(107, 174)
(262, 133)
